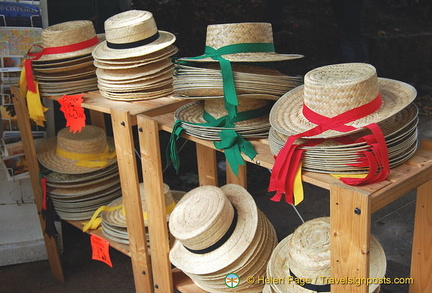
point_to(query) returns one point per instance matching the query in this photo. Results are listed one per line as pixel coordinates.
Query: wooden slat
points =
(421, 258)
(33, 165)
(155, 200)
(240, 178)
(124, 143)
(207, 165)
(350, 237)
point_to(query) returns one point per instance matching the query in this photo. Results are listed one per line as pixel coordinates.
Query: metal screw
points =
(156, 286)
(357, 211)
(122, 123)
(143, 272)
(140, 129)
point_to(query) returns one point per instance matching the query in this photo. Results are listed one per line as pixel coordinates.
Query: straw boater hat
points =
(67, 34)
(130, 34)
(213, 227)
(75, 153)
(335, 89)
(254, 33)
(305, 254)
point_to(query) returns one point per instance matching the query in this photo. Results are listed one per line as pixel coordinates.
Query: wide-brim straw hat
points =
(65, 34)
(202, 218)
(221, 35)
(55, 153)
(132, 33)
(306, 254)
(335, 89)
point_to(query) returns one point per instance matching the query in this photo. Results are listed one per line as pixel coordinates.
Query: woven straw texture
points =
(67, 33)
(204, 210)
(131, 26)
(91, 140)
(334, 89)
(220, 35)
(306, 252)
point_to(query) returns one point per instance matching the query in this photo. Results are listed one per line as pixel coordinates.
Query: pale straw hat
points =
(305, 254)
(335, 89)
(213, 227)
(65, 34)
(60, 153)
(221, 35)
(132, 33)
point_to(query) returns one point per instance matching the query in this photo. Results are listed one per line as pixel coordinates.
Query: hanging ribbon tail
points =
(50, 217)
(172, 152)
(35, 107)
(233, 145)
(23, 82)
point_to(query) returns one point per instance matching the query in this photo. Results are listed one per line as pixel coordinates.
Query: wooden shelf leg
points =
(97, 119)
(240, 179)
(30, 153)
(207, 165)
(125, 150)
(350, 220)
(421, 259)
(155, 200)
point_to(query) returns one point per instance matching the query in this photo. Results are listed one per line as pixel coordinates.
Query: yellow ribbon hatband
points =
(88, 160)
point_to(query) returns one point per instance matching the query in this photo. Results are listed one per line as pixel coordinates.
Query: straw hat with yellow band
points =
(76, 153)
(114, 213)
(334, 101)
(60, 41)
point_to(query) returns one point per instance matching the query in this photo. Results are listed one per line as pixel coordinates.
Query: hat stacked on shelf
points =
(219, 231)
(113, 221)
(234, 79)
(302, 260)
(133, 63)
(82, 172)
(344, 120)
(65, 64)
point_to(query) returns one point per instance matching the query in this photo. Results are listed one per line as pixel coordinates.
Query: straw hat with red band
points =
(132, 33)
(336, 100)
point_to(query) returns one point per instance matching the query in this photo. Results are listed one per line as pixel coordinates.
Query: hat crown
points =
(201, 217)
(167, 194)
(67, 33)
(216, 107)
(309, 249)
(220, 35)
(130, 26)
(90, 140)
(335, 89)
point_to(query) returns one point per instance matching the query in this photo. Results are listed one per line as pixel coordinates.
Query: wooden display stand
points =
(350, 211)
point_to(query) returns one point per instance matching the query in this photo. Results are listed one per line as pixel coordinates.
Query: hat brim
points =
(249, 57)
(287, 118)
(235, 246)
(102, 51)
(48, 158)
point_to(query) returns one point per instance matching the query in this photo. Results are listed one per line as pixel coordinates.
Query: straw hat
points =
(65, 34)
(305, 254)
(130, 34)
(221, 35)
(213, 227)
(335, 89)
(60, 153)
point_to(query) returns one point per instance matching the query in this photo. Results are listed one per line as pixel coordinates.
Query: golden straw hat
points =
(132, 33)
(213, 227)
(335, 89)
(65, 152)
(305, 254)
(221, 35)
(65, 34)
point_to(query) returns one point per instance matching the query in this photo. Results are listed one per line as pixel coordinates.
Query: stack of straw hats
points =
(302, 260)
(133, 63)
(113, 221)
(335, 89)
(81, 171)
(219, 231)
(71, 70)
(256, 83)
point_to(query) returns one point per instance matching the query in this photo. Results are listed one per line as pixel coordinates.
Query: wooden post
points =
(207, 165)
(125, 150)
(240, 179)
(30, 153)
(148, 133)
(350, 222)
